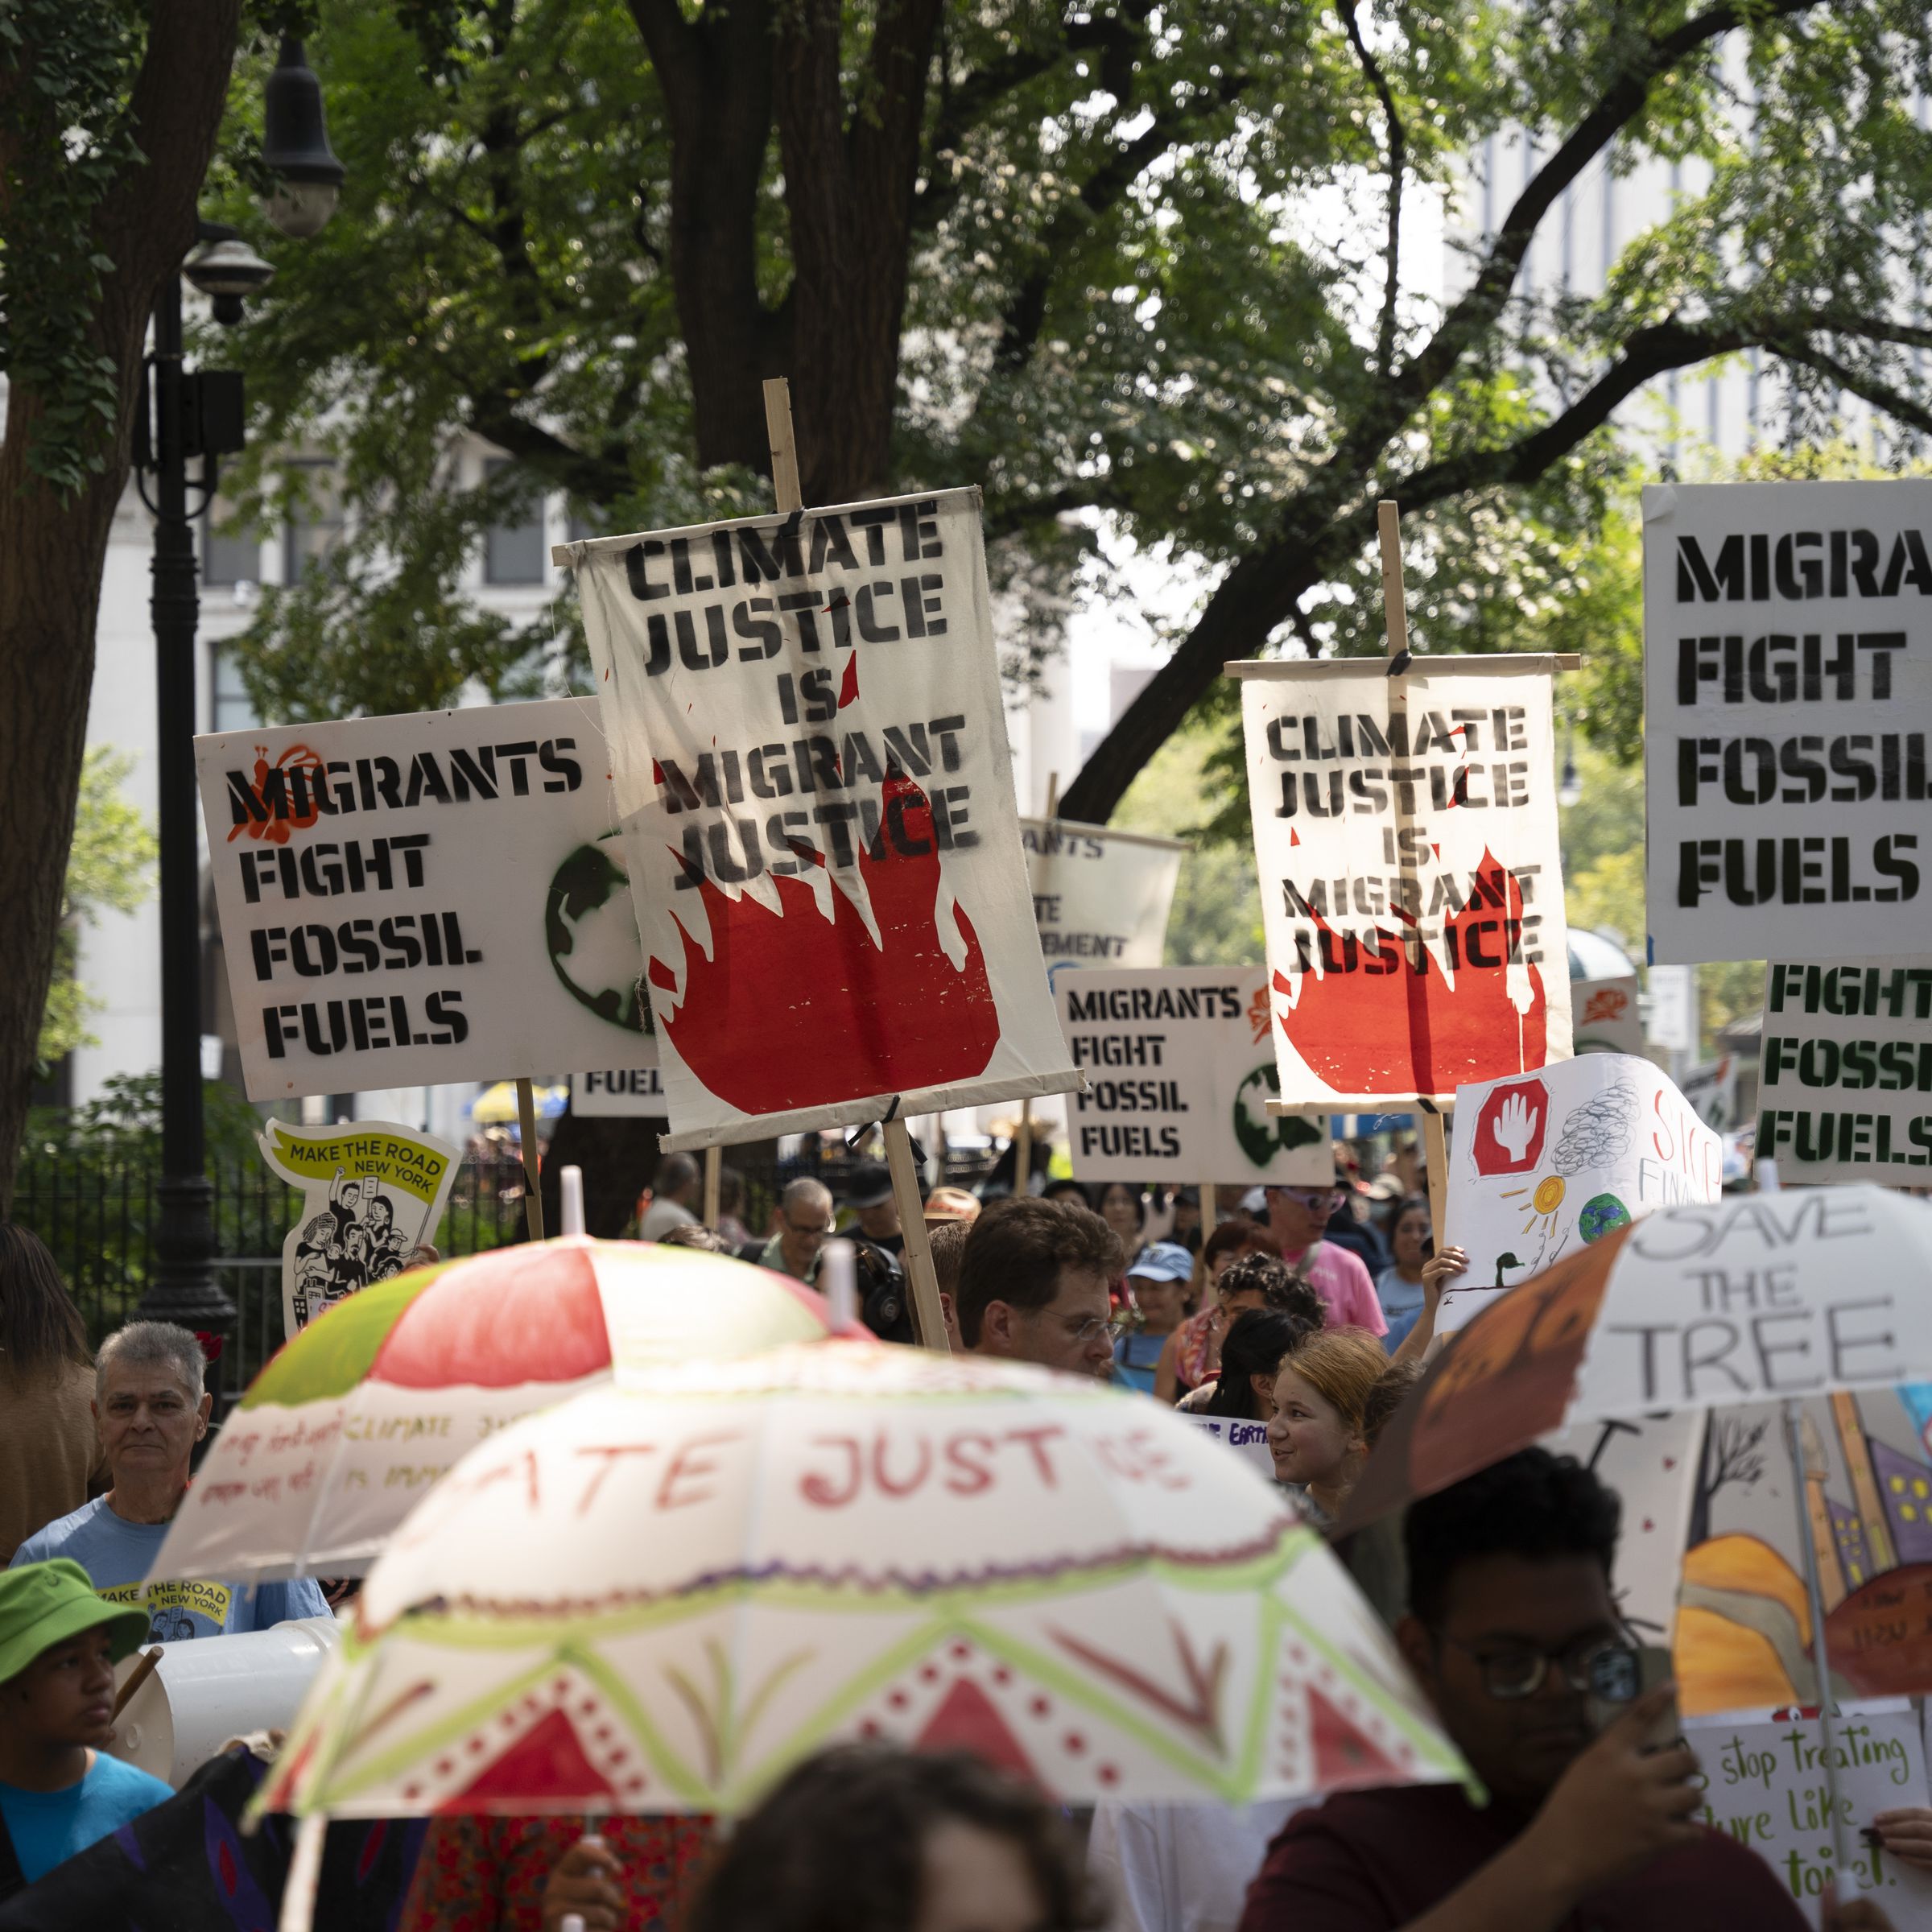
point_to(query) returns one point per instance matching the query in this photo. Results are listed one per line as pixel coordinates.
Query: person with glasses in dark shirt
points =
(1511, 1621)
(1033, 1286)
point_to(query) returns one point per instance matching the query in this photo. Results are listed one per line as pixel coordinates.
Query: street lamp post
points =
(185, 414)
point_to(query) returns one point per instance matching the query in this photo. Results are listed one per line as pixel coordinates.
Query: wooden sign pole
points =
(533, 1193)
(1388, 519)
(1022, 1147)
(714, 1185)
(928, 1318)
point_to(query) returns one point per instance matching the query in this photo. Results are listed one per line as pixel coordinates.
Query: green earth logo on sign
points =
(590, 929)
(1262, 1135)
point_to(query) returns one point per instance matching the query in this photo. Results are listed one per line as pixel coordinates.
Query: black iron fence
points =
(89, 1191)
(98, 1217)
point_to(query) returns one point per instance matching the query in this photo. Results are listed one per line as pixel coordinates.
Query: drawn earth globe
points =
(590, 931)
(1261, 1134)
(1603, 1214)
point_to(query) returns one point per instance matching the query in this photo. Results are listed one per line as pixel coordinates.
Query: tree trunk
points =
(1253, 598)
(55, 548)
(718, 81)
(848, 191)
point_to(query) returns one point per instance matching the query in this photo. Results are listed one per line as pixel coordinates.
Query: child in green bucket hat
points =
(58, 1645)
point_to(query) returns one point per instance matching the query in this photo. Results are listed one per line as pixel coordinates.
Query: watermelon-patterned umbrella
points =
(348, 1426)
(659, 1595)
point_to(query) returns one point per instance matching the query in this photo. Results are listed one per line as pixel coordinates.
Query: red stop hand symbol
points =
(1509, 1128)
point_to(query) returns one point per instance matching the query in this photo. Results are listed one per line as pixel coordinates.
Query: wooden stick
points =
(1435, 1145)
(1395, 604)
(778, 432)
(714, 1184)
(136, 1677)
(533, 1194)
(1022, 1142)
(928, 1318)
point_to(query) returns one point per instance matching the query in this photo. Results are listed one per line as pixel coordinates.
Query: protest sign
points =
(1845, 1071)
(1788, 655)
(1099, 898)
(1411, 881)
(412, 900)
(1764, 1787)
(1545, 1165)
(1606, 1015)
(1248, 1440)
(811, 766)
(617, 1093)
(1711, 1091)
(372, 1193)
(1179, 1075)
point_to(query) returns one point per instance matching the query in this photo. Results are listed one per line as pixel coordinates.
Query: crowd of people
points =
(1306, 1309)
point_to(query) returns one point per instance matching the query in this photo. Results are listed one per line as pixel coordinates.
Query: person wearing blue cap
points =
(1159, 1282)
(59, 1793)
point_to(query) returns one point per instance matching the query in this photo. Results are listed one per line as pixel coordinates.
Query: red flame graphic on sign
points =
(793, 1010)
(1369, 1026)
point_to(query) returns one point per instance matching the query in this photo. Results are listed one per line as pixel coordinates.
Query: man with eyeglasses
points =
(805, 1219)
(1511, 1618)
(1297, 1217)
(1033, 1285)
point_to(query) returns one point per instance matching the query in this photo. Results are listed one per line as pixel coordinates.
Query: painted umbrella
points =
(1758, 1307)
(352, 1421)
(659, 1596)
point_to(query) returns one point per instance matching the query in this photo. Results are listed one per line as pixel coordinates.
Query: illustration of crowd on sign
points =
(353, 1241)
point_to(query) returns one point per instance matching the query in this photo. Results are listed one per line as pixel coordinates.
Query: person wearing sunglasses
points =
(1297, 1217)
(1512, 1625)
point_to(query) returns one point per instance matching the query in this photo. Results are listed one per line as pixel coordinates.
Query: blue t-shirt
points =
(48, 1827)
(117, 1556)
(1135, 1357)
(1402, 1305)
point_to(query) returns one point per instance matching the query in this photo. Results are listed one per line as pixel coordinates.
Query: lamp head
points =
(226, 269)
(294, 146)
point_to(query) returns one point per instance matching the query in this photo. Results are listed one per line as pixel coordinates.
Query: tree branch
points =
(672, 43)
(1881, 396)
(1120, 36)
(1025, 312)
(1398, 164)
(1620, 102)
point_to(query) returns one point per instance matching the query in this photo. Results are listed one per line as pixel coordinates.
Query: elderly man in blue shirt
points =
(152, 1407)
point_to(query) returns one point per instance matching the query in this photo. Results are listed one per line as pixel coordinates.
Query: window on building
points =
(514, 551)
(230, 708)
(315, 519)
(231, 554)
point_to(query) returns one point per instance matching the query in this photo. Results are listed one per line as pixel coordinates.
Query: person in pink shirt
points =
(1296, 1217)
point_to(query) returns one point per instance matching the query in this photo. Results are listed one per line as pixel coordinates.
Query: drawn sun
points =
(1543, 1201)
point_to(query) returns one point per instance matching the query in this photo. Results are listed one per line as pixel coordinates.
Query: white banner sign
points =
(1370, 836)
(1788, 683)
(811, 758)
(372, 1194)
(1099, 898)
(618, 1093)
(1606, 1015)
(1247, 1439)
(1545, 1165)
(1845, 1076)
(1765, 1786)
(413, 900)
(1179, 1075)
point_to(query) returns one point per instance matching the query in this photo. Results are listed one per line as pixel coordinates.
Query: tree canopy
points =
(1086, 254)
